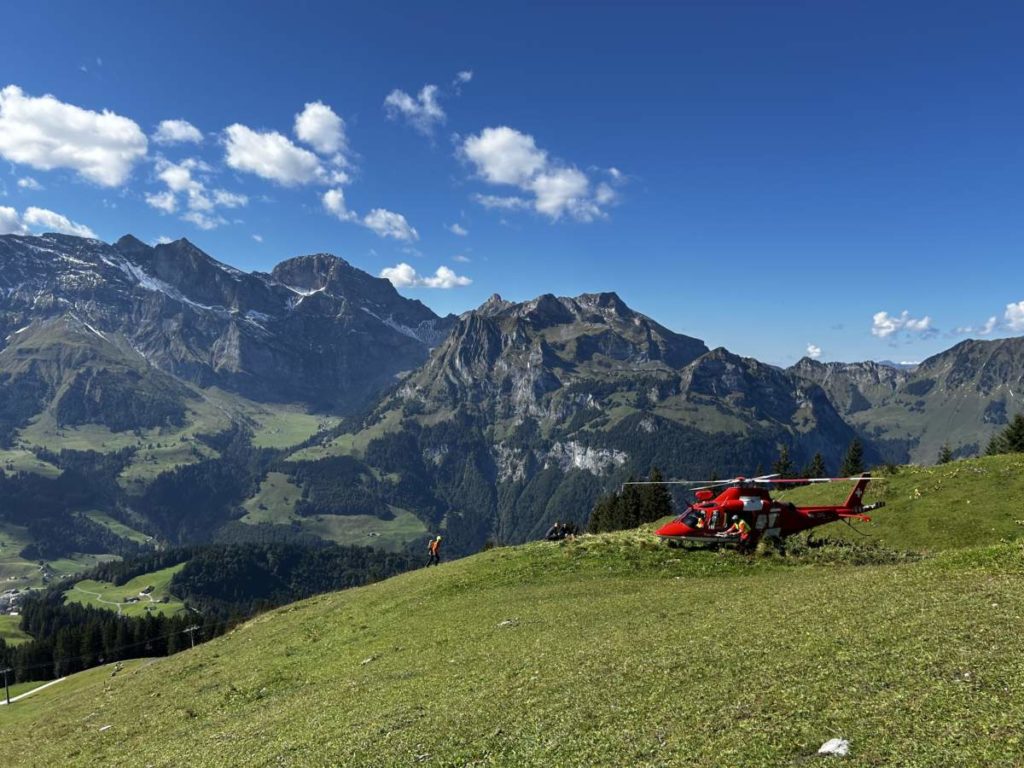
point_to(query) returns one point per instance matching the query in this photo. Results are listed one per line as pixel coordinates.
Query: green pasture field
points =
(102, 594)
(609, 650)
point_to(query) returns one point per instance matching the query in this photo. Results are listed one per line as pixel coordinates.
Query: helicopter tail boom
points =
(857, 494)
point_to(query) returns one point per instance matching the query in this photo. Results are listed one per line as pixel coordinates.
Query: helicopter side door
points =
(767, 522)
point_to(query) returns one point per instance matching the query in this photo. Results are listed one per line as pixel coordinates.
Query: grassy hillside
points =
(29, 709)
(102, 594)
(117, 527)
(13, 461)
(610, 650)
(10, 632)
(18, 572)
(275, 503)
(368, 531)
(961, 504)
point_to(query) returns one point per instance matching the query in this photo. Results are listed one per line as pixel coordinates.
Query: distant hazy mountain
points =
(962, 396)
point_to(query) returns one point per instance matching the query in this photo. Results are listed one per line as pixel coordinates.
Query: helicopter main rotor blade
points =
(824, 479)
(676, 482)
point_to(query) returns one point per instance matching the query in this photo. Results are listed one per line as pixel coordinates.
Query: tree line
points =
(69, 638)
(220, 585)
(632, 505)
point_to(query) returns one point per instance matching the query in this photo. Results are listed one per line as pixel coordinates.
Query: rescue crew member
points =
(739, 525)
(434, 548)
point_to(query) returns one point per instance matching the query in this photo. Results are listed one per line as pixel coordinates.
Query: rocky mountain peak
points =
(494, 305)
(130, 245)
(606, 301)
(312, 272)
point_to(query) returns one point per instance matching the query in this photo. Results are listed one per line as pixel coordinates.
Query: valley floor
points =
(609, 650)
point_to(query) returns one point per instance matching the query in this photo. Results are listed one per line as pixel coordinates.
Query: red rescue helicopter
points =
(744, 511)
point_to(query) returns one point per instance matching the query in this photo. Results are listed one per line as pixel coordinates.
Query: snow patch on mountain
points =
(150, 283)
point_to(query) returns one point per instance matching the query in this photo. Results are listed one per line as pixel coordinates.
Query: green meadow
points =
(610, 650)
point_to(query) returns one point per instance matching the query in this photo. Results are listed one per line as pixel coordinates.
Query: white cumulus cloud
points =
(39, 220)
(10, 222)
(271, 155)
(385, 223)
(884, 325)
(321, 128)
(203, 220)
(813, 351)
(45, 133)
(29, 183)
(334, 203)
(1014, 316)
(985, 329)
(505, 156)
(457, 229)
(199, 201)
(564, 190)
(390, 224)
(163, 201)
(43, 220)
(227, 199)
(177, 132)
(405, 276)
(423, 112)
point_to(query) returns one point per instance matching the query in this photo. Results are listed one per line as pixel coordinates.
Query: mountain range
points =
(317, 401)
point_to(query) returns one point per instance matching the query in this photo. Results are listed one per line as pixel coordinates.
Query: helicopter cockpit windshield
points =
(692, 518)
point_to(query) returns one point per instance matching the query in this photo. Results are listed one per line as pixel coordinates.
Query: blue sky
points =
(764, 176)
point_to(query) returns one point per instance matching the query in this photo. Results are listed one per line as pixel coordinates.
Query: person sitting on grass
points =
(556, 532)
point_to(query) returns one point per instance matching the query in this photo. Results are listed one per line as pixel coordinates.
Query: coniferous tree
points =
(945, 454)
(817, 467)
(853, 464)
(783, 466)
(602, 517)
(657, 500)
(630, 504)
(1010, 440)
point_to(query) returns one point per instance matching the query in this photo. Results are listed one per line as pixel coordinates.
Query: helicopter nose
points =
(675, 528)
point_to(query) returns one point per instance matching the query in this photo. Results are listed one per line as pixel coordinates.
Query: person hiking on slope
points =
(434, 548)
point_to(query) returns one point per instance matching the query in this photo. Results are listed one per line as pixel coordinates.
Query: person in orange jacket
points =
(740, 526)
(434, 548)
